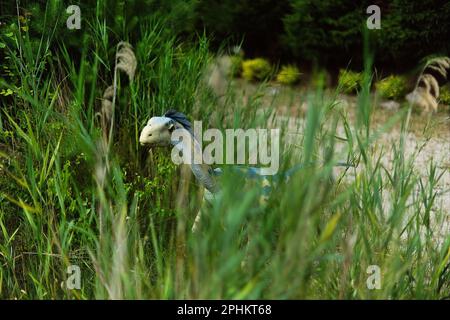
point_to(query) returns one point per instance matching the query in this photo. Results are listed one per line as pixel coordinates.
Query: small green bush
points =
(444, 96)
(256, 69)
(236, 65)
(392, 87)
(350, 81)
(288, 75)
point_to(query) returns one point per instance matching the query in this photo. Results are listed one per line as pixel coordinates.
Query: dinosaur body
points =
(159, 132)
(167, 131)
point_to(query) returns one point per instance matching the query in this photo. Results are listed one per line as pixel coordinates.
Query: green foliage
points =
(258, 22)
(444, 95)
(236, 65)
(325, 31)
(129, 230)
(330, 32)
(416, 29)
(349, 81)
(288, 75)
(256, 69)
(392, 87)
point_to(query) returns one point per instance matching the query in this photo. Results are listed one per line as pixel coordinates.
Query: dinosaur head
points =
(158, 131)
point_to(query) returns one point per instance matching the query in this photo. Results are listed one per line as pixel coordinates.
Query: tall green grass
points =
(129, 230)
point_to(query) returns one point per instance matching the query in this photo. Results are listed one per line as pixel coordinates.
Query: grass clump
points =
(393, 87)
(349, 81)
(236, 65)
(288, 75)
(256, 69)
(444, 95)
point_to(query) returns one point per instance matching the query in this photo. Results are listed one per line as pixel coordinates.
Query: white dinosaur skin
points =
(157, 132)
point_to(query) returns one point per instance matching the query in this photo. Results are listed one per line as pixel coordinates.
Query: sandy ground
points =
(427, 139)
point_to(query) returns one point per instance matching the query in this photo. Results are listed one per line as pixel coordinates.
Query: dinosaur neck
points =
(201, 170)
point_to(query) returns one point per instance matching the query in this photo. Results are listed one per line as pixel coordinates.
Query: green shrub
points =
(349, 81)
(330, 31)
(392, 87)
(444, 96)
(288, 75)
(236, 65)
(256, 69)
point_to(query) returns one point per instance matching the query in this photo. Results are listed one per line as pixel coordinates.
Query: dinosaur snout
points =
(143, 141)
(144, 137)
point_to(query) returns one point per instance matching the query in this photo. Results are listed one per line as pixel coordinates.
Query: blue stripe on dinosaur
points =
(255, 172)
